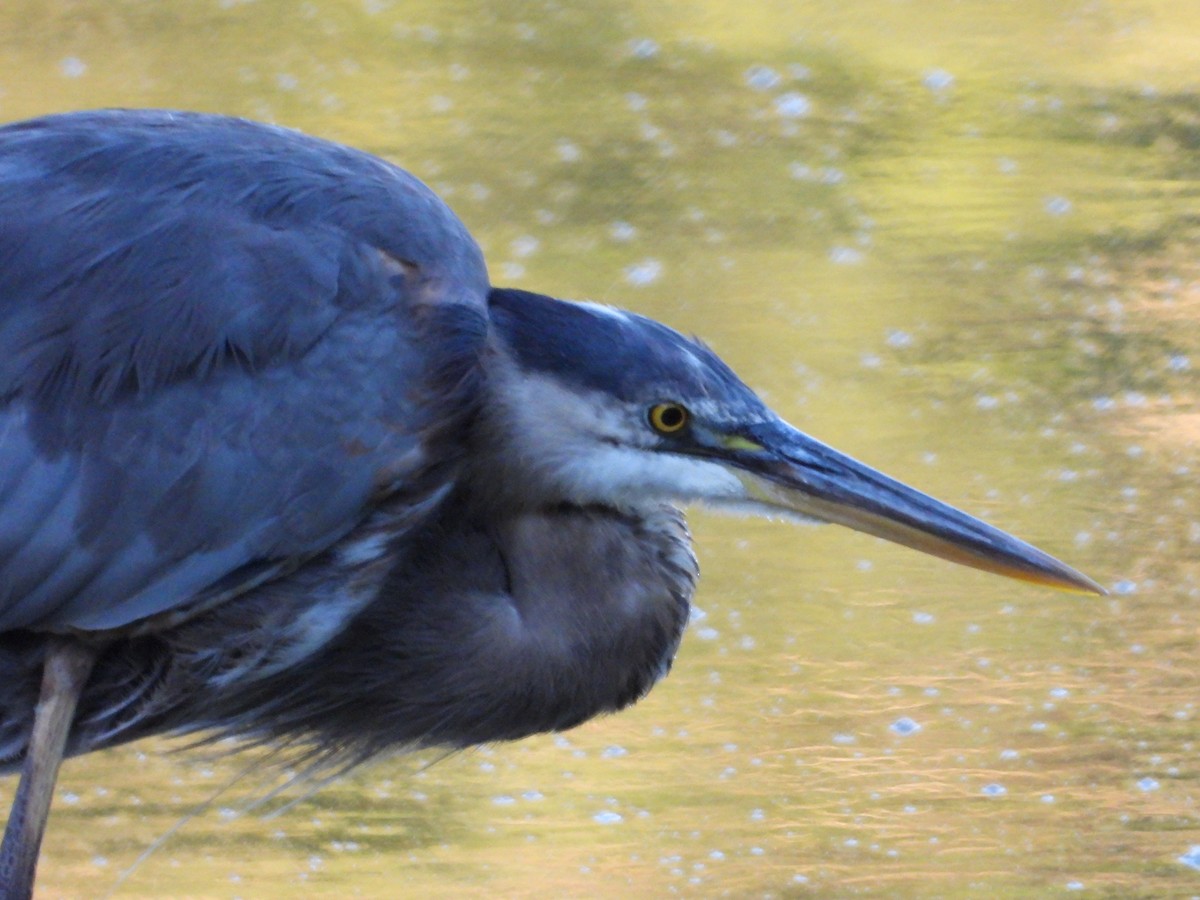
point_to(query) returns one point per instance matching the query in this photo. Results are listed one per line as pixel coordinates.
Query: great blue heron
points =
(277, 462)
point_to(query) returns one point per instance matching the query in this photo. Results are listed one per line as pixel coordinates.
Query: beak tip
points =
(1078, 583)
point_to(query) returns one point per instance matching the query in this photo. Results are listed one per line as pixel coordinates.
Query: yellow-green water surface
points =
(955, 238)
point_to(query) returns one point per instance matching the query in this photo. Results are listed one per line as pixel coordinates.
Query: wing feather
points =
(221, 344)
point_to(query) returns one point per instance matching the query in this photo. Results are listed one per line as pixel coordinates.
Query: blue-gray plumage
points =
(193, 315)
(276, 461)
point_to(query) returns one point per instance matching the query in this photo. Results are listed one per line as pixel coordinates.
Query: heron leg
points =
(66, 670)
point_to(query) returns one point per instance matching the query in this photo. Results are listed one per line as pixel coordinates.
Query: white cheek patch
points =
(633, 477)
(587, 449)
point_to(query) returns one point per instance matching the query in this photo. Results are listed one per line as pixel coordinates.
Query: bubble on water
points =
(1047, 798)
(845, 256)
(1059, 693)
(1057, 206)
(800, 171)
(614, 752)
(938, 80)
(762, 78)
(504, 800)
(622, 231)
(607, 817)
(793, 105)
(646, 272)
(1074, 885)
(524, 245)
(707, 634)
(898, 338)
(1124, 587)
(1009, 754)
(643, 48)
(924, 618)
(1179, 363)
(904, 726)
(1191, 859)
(993, 790)
(568, 151)
(1148, 784)
(844, 739)
(72, 67)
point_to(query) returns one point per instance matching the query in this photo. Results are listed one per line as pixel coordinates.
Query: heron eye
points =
(668, 418)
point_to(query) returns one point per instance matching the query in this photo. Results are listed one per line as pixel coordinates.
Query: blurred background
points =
(955, 238)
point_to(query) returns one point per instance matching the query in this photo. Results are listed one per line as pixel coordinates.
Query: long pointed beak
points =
(786, 469)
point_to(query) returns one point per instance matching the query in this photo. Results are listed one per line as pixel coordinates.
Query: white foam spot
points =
(645, 272)
(938, 80)
(72, 67)
(643, 48)
(793, 105)
(762, 78)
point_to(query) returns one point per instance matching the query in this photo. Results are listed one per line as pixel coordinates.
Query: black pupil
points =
(670, 417)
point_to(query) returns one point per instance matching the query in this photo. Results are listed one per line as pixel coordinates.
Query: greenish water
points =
(955, 239)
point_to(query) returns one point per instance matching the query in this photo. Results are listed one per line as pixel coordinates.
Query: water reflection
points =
(955, 240)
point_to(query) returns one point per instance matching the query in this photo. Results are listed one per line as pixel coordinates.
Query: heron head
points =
(602, 406)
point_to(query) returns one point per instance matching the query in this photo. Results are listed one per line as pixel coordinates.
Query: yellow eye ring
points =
(668, 418)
